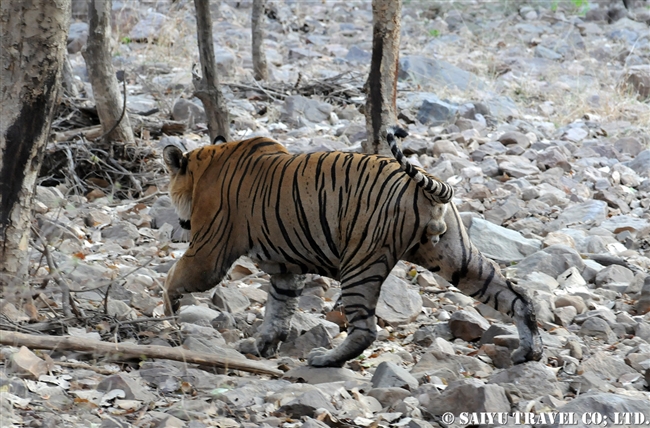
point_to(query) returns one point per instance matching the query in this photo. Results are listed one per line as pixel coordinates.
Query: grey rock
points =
(553, 157)
(197, 315)
(614, 277)
(357, 55)
(307, 404)
(495, 330)
(120, 310)
(565, 315)
(437, 72)
(444, 146)
(149, 27)
(399, 302)
(543, 52)
(389, 396)
(449, 367)
(316, 337)
(602, 313)
(637, 78)
(225, 60)
(301, 111)
(503, 211)
(643, 304)
(500, 355)
(528, 381)
(586, 212)
(469, 396)
(552, 261)
(312, 423)
(629, 146)
(389, 375)
(51, 197)
(539, 281)
(619, 222)
(514, 137)
(141, 103)
(436, 112)
(302, 322)
(598, 328)
(499, 243)
(606, 366)
(163, 212)
(467, 325)
(121, 232)
(77, 37)
(316, 375)
(502, 107)
(610, 406)
(131, 386)
(516, 166)
(638, 361)
(641, 163)
(188, 111)
(642, 330)
(230, 299)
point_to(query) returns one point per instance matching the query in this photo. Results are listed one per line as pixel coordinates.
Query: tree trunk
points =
(34, 37)
(381, 111)
(206, 88)
(257, 27)
(106, 89)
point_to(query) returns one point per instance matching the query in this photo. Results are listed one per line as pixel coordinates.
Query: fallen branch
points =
(153, 125)
(128, 350)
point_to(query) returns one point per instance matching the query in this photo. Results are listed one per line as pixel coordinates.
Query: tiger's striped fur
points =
(347, 216)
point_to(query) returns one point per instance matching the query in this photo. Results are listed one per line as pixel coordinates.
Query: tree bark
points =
(381, 111)
(206, 88)
(106, 89)
(34, 37)
(257, 28)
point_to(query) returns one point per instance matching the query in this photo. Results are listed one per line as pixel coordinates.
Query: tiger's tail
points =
(439, 190)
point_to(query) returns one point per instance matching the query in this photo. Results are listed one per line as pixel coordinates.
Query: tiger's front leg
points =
(280, 307)
(188, 276)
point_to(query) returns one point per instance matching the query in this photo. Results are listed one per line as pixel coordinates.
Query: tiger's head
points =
(182, 170)
(181, 183)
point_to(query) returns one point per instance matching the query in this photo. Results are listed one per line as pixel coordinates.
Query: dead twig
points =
(66, 299)
(129, 350)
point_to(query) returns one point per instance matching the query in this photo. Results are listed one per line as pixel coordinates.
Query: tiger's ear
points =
(174, 159)
(219, 139)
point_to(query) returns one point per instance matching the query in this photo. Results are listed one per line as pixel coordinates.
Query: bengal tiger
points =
(347, 216)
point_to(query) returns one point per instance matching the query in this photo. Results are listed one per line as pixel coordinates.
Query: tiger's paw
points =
(267, 340)
(321, 357)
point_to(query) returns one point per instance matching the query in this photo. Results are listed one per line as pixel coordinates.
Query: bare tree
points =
(206, 88)
(381, 86)
(34, 37)
(257, 28)
(109, 102)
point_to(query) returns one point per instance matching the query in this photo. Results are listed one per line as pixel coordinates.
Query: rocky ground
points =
(536, 112)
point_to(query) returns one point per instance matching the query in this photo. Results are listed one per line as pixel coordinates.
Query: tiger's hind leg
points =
(280, 307)
(457, 260)
(359, 297)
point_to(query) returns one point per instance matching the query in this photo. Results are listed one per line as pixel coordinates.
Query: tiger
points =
(347, 216)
